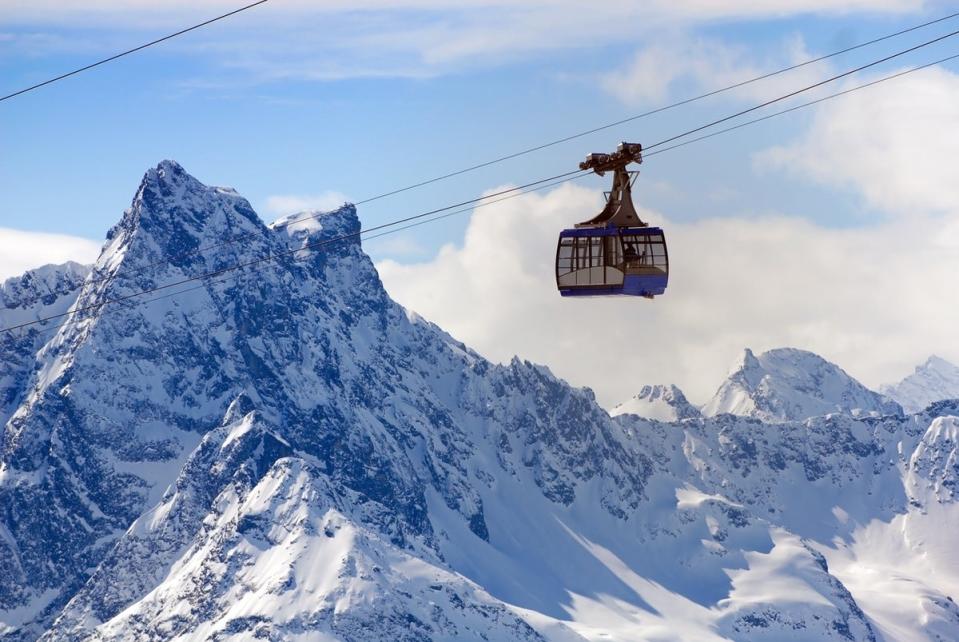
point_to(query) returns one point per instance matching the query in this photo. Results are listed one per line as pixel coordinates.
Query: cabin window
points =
(588, 261)
(644, 254)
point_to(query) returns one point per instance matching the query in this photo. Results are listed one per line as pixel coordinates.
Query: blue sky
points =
(303, 102)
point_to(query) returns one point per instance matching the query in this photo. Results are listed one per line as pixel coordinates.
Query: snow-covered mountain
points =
(789, 384)
(44, 292)
(659, 402)
(934, 380)
(282, 452)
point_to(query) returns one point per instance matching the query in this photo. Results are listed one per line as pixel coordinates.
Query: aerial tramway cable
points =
(657, 110)
(553, 179)
(802, 105)
(803, 90)
(144, 46)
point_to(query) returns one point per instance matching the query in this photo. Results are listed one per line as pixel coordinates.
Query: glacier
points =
(283, 452)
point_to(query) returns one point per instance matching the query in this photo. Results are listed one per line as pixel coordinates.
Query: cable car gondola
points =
(615, 252)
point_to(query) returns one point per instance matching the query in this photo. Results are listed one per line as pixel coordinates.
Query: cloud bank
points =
(654, 71)
(895, 144)
(876, 299)
(761, 283)
(21, 251)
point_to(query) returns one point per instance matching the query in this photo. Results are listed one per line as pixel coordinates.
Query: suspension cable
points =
(657, 110)
(803, 90)
(130, 51)
(803, 105)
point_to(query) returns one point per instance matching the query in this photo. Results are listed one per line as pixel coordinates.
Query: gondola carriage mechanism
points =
(615, 252)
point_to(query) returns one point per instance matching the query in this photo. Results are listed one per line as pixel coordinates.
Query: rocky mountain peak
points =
(173, 217)
(748, 366)
(659, 402)
(936, 379)
(791, 384)
(41, 286)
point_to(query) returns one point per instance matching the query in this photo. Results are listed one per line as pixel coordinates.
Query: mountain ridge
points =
(660, 402)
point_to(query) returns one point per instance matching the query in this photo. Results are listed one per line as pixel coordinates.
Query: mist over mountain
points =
(283, 452)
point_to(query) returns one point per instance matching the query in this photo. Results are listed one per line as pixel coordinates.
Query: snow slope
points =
(790, 384)
(934, 380)
(288, 454)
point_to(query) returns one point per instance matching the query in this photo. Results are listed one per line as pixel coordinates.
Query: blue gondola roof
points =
(609, 230)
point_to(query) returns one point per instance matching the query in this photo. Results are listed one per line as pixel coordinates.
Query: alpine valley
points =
(281, 452)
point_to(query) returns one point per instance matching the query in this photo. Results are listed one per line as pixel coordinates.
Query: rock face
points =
(933, 473)
(934, 380)
(659, 402)
(791, 385)
(44, 292)
(282, 452)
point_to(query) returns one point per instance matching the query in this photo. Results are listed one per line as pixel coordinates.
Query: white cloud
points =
(286, 204)
(655, 70)
(894, 143)
(395, 245)
(872, 300)
(705, 9)
(21, 251)
(29, 44)
(96, 11)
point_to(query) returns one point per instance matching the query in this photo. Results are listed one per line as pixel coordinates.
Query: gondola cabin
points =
(612, 260)
(615, 252)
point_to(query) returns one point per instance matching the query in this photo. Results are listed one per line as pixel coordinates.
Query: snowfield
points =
(287, 454)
